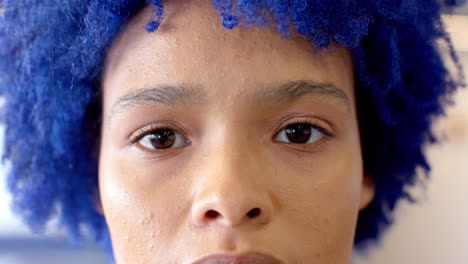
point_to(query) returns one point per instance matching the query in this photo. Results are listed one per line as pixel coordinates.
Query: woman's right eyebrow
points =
(160, 94)
(184, 94)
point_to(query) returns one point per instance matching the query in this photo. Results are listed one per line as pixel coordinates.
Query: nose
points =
(233, 192)
(230, 210)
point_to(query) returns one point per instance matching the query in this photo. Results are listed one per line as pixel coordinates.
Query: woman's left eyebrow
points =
(293, 90)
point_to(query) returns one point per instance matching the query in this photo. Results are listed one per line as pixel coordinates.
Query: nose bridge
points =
(231, 190)
(232, 152)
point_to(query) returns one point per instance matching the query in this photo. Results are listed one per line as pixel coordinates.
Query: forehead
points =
(191, 46)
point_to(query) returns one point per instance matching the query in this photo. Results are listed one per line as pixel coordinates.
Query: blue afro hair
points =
(51, 59)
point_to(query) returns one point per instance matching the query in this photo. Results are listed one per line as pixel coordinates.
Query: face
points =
(233, 142)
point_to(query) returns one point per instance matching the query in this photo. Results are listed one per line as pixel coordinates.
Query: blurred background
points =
(433, 231)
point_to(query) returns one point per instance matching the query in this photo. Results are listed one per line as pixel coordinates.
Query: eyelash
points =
(309, 122)
(141, 133)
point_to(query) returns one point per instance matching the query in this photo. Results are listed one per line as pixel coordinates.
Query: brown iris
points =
(162, 139)
(298, 133)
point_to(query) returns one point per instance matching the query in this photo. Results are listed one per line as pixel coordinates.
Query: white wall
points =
(9, 224)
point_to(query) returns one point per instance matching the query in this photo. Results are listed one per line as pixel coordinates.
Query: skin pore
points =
(219, 105)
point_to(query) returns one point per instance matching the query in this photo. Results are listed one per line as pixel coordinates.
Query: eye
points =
(161, 139)
(301, 133)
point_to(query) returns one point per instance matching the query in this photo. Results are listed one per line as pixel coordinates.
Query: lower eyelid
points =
(311, 148)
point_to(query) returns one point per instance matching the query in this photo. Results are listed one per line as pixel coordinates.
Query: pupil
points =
(163, 139)
(298, 133)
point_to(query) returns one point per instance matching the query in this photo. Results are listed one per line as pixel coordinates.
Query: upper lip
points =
(249, 258)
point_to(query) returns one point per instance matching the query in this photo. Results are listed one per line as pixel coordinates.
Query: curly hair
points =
(52, 54)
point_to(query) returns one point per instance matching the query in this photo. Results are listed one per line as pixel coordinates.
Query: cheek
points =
(321, 203)
(140, 208)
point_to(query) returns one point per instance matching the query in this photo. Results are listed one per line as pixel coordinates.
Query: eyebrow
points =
(189, 95)
(160, 94)
(293, 90)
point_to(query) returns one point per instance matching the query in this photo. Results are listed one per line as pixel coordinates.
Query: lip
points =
(249, 258)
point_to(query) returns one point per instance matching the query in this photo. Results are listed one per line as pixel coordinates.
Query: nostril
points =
(212, 214)
(254, 212)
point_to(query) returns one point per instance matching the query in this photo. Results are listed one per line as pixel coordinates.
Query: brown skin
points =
(196, 197)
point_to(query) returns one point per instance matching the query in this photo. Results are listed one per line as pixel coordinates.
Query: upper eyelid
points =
(144, 131)
(148, 129)
(328, 132)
